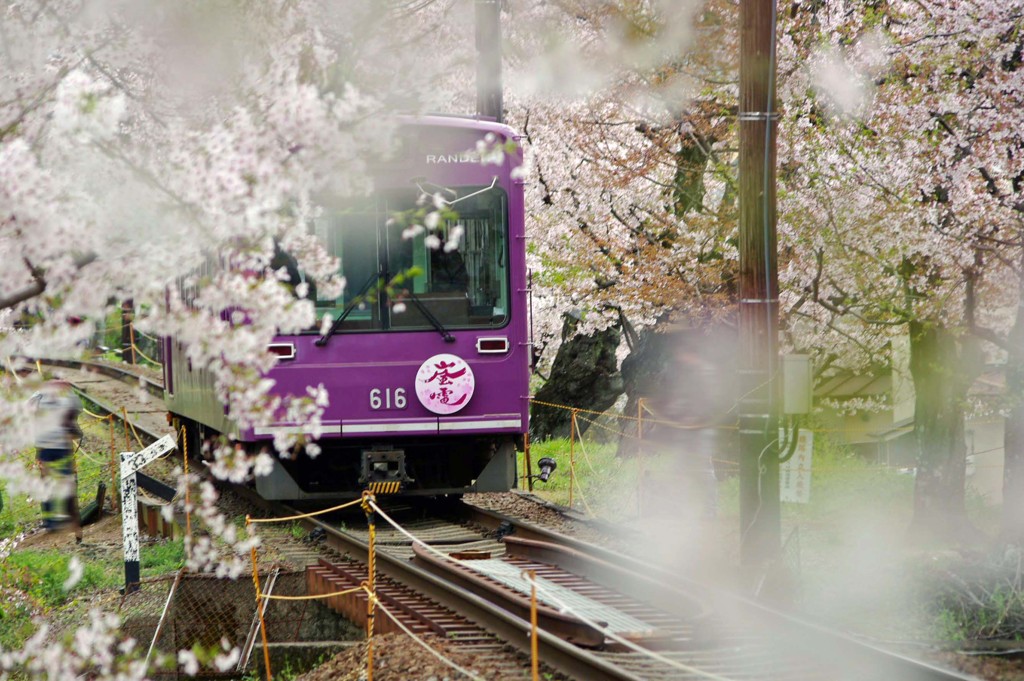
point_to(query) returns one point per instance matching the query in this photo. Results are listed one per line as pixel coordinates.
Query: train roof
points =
(461, 121)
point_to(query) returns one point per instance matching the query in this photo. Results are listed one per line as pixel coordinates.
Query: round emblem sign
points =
(444, 384)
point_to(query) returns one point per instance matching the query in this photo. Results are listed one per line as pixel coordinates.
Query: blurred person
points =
(448, 271)
(698, 414)
(56, 409)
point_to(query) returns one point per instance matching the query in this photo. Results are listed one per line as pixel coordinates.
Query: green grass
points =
(41, 574)
(162, 558)
(841, 481)
(22, 513)
(31, 580)
(605, 484)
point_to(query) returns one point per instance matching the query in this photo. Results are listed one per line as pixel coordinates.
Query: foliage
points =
(841, 481)
(975, 597)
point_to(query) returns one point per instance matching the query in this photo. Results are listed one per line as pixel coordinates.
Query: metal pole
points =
(488, 64)
(758, 358)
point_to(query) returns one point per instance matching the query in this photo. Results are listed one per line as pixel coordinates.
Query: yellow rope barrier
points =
(11, 370)
(568, 408)
(424, 645)
(97, 416)
(271, 597)
(146, 357)
(101, 464)
(598, 424)
(124, 413)
(146, 335)
(586, 456)
(307, 515)
(663, 422)
(572, 466)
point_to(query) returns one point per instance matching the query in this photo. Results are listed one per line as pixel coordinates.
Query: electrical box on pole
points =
(797, 384)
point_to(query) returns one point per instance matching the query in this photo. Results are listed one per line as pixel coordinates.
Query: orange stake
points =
(371, 594)
(114, 468)
(572, 456)
(527, 466)
(259, 605)
(188, 506)
(534, 640)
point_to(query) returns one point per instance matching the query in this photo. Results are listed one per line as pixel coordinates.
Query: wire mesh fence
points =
(187, 612)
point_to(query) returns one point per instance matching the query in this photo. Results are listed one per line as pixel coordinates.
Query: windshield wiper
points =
(448, 338)
(353, 304)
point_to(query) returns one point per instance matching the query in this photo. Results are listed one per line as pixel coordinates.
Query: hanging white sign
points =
(795, 474)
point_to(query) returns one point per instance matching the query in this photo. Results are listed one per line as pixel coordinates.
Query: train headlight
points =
(282, 350)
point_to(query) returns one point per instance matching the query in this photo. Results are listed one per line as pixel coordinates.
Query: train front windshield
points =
(397, 282)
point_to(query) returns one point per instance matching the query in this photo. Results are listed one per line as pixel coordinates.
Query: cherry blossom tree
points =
(900, 206)
(634, 217)
(901, 164)
(137, 138)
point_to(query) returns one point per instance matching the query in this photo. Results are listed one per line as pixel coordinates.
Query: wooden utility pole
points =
(488, 63)
(127, 342)
(758, 360)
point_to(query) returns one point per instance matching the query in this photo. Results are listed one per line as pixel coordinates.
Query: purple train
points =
(432, 399)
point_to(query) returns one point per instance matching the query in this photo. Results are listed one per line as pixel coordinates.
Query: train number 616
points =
(387, 398)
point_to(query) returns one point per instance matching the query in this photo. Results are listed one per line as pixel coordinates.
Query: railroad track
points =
(603, 615)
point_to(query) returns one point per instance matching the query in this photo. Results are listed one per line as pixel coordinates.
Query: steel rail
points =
(605, 566)
(575, 662)
(149, 385)
(560, 655)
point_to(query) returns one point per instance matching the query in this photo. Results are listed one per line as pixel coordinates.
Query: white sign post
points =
(795, 474)
(132, 463)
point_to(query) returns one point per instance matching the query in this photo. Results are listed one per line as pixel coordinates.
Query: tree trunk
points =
(685, 376)
(1013, 457)
(943, 368)
(1013, 433)
(584, 375)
